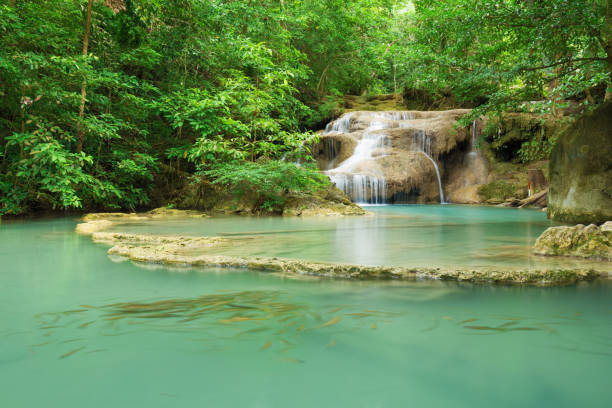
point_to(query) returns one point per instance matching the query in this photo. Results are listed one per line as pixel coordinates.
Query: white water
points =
(474, 129)
(422, 143)
(359, 176)
(474, 139)
(362, 187)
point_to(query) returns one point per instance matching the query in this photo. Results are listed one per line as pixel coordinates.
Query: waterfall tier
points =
(391, 157)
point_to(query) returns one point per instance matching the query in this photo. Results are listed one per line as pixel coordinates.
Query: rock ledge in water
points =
(192, 251)
(163, 243)
(156, 214)
(580, 241)
(96, 222)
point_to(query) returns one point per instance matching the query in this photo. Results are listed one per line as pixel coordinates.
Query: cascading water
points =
(422, 143)
(364, 186)
(474, 138)
(370, 174)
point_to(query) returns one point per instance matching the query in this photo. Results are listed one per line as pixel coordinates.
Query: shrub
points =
(270, 182)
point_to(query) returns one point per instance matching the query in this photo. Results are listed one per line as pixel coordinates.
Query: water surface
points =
(400, 235)
(70, 336)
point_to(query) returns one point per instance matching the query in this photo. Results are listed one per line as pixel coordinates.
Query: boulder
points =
(581, 170)
(580, 241)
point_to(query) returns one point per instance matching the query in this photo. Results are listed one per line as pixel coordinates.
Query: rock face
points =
(581, 241)
(581, 170)
(401, 156)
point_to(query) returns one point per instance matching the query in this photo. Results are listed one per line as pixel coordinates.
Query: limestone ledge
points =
(162, 243)
(581, 241)
(188, 251)
(96, 222)
(158, 213)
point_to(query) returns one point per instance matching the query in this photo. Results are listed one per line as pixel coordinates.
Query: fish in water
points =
(235, 319)
(332, 343)
(68, 354)
(501, 328)
(359, 315)
(266, 345)
(331, 322)
(293, 360)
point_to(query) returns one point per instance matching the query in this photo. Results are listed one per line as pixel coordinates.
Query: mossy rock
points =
(579, 241)
(581, 170)
(214, 199)
(498, 191)
(509, 132)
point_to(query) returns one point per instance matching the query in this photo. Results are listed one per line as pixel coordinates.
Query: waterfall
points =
(474, 124)
(341, 125)
(359, 176)
(422, 143)
(474, 138)
(361, 188)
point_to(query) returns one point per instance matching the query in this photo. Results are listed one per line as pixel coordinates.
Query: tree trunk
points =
(81, 132)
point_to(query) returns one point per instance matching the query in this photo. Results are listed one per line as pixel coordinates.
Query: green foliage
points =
(497, 54)
(538, 148)
(48, 173)
(268, 183)
(194, 83)
(199, 84)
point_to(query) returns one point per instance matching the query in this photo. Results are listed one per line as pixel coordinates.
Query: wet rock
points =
(580, 241)
(581, 170)
(88, 228)
(162, 243)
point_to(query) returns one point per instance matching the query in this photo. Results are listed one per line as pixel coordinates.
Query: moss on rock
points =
(580, 241)
(581, 170)
(497, 191)
(214, 199)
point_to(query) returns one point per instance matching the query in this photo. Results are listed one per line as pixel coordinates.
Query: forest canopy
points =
(97, 97)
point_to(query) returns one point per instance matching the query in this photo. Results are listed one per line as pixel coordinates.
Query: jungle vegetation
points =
(97, 96)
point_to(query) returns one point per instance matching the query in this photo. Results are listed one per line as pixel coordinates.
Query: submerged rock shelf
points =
(196, 251)
(153, 254)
